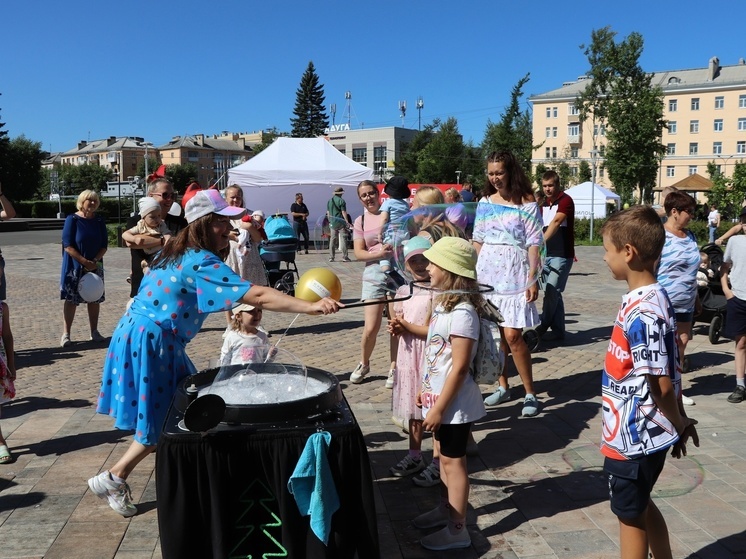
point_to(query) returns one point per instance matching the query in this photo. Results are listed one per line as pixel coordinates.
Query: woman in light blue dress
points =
(147, 358)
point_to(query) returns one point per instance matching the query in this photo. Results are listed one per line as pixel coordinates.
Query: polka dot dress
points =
(146, 358)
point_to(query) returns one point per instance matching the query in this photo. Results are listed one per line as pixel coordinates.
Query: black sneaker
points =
(408, 466)
(738, 396)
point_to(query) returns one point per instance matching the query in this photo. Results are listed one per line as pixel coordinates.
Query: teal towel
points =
(313, 486)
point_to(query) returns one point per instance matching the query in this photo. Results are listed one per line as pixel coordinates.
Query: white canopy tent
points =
(591, 197)
(311, 166)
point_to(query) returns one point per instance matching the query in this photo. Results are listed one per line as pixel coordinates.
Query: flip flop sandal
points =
(5, 456)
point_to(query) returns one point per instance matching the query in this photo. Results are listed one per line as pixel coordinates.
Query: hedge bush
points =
(109, 209)
(583, 229)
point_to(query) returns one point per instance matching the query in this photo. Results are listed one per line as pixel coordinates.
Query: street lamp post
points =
(594, 154)
(458, 177)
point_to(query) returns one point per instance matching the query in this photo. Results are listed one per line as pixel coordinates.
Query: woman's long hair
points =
(195, 235)
(518, 183)
(468, 287)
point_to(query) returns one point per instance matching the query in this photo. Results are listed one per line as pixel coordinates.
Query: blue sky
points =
(75, 70)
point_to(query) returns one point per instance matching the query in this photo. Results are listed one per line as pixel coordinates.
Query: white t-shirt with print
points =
(462, 321)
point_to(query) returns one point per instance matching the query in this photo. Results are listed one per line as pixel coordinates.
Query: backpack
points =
(489, 360)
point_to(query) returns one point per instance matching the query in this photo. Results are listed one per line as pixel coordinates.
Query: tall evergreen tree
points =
(310, 114)
(4, 143)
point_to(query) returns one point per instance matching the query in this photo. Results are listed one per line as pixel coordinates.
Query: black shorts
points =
(453, 438)
(631, 482)
(735, 318)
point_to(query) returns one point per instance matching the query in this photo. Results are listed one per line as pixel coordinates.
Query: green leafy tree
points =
(513, 131)
(153, 164)
(406, 160)
(584, 172)
(540, 170)
(74, 179)
(621, 95)
(22, 177)
(181, 175)
(563, 170)
(439, 160)
(310, 115)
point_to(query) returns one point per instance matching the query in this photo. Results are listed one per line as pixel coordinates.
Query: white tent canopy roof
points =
(311, 166)
(586, 197)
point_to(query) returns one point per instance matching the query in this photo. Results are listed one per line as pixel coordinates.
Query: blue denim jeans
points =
(553, 281)
(712, 230)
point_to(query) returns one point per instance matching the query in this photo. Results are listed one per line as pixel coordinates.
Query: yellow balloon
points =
(317, 283)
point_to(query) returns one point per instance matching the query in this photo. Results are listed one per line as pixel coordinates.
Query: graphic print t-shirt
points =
(643, 342)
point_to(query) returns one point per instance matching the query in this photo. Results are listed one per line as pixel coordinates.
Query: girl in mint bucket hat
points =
(450, 398)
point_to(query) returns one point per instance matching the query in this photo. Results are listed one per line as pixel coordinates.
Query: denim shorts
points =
(631, 482)
(374, 283)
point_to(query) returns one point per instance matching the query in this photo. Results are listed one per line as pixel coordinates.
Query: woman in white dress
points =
(508, 237)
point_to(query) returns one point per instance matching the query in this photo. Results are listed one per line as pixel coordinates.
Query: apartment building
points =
(705, 109)
(121, 155)
(211, 155)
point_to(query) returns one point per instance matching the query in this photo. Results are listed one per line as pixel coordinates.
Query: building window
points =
(672, 127)
(670, 171)
(694, 126)
(548, 153)
(573, 130)
(360, 155)
(693, 148)
(549, 132)
(549, 112)
(602, 151)
(717, 148)
(741, 147)
(742, 101)
(573, 171)
(695, 103)
(719, 102)
(671, 149)
(574, 152)
(599, 130)
(673, 104)
(343, 151)
(554, 153)
(718, 125)
(572, 109)
(554, 132)
(741, 124)
(692, 169)
(379, 160)
(601, 172)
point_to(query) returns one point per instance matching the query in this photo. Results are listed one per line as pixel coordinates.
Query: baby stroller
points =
(278, 248)
(711, 295)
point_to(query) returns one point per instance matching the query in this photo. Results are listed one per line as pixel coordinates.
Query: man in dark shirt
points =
(558, 212)
(299, 211)
(466, 193)
(163, 191)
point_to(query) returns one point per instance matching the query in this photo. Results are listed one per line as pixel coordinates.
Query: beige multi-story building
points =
(120, 155)
(705, 109)
(211, 155)
(376, 148)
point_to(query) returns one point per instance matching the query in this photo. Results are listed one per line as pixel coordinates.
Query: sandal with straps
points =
(5, 456)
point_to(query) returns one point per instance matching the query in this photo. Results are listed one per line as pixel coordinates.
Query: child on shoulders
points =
(393, 210)
(643, 415)
(151, 224)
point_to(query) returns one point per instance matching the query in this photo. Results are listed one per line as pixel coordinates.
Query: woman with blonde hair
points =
(84, 243)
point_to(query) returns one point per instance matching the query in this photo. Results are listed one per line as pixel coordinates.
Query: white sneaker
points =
(65, 340)
(391, 379)
(687, 401)
(530, 406)
(359, 373)
(119, 495)
(432, 519)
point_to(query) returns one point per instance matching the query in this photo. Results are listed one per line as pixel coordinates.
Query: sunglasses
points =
(165, 195)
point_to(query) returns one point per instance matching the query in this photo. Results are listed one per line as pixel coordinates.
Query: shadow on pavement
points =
(23, 406)
(72, 443)
(730, 546)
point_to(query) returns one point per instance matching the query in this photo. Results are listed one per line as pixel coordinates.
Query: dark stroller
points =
(711, 295)
(278, 248)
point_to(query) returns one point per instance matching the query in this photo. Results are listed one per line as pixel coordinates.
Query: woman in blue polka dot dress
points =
(146, 359)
